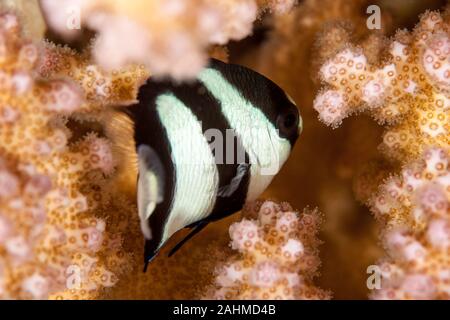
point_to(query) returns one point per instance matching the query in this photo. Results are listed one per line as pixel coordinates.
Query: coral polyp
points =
(416, 204)
(277, 256)
(409, 91)
(172, 40)
(409, 94)
(51, 242)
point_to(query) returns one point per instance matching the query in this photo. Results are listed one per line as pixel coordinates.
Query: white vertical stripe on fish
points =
(196, 172)
(267, 151)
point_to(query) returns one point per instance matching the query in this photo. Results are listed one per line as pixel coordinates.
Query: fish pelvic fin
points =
(151, 181)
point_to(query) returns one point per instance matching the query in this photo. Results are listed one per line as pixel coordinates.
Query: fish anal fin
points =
(196, 229)
(150, 253)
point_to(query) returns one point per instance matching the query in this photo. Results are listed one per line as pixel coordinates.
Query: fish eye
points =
(289, 120)
(287, 123)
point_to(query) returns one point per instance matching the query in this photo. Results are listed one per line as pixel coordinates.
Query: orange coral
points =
(409, 91)
(48, 162)
(422, 187)
(418, 263)
(100, 88)
(52, 241)
(323, 162)
(277, 256)
(172, 40)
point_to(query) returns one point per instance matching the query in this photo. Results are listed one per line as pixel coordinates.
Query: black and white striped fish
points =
(207, 147)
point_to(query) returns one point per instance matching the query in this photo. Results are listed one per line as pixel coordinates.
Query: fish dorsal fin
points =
(150, 185)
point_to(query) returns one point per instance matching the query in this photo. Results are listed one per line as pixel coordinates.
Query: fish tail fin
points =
(119, 129)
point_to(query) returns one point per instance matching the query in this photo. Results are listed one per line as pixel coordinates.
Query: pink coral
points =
(100, 88)
(418, 263)
(49, 232)
(171, 40)
(409, 91)
(277, 256)
(422, 188)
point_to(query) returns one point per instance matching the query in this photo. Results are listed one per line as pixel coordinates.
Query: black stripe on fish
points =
(149, 130)
(208, 111)
(261, 92)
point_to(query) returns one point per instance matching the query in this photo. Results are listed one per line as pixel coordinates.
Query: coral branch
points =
(100, 88)
(409, 93)
(53, 242)
(277, 256)
(170, 37)
(418, 264)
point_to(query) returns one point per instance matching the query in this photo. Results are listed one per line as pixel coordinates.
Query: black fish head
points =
(267, 96)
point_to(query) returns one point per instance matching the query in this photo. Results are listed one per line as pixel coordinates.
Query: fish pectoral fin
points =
(229, 189)
(198, 227)
(151, 181)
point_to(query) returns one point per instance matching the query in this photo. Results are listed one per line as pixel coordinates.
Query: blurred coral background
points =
(69, 227)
